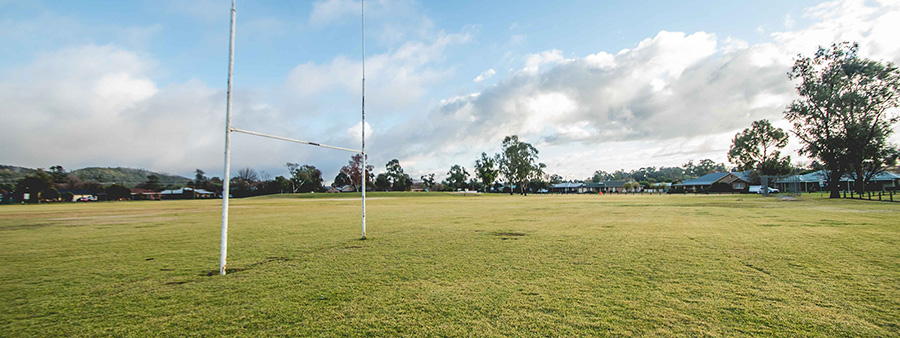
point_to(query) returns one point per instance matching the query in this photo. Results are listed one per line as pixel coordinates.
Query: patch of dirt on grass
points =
(507, 234)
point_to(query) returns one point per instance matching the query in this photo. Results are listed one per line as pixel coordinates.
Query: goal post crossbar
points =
(236, 130)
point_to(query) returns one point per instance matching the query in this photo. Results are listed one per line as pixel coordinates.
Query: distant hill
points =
(10, 174)
(128, 177)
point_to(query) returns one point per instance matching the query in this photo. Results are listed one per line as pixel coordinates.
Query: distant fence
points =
(884, 196)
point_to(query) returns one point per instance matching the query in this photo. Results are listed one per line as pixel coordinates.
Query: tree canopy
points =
(843, 116)
(487, 169)
(518, 162)
(758, 148)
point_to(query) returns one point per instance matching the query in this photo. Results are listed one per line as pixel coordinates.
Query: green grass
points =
(450, 265)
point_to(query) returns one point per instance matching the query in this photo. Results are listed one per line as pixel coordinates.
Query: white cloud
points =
(355, 132)
(534, 61)
(671, 98)
(394, 80)
(485, 75)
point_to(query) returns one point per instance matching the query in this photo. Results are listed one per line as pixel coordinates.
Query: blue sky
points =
(614, 84)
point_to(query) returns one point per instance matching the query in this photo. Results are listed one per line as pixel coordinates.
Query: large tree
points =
(843, 115)
(456, 177)
(341, 180)
(400, 181)
(428, 181)
(518, 161)
(383, 182)
(487, 169)
(306, 178)
(34, 184)
(354, 171)
(758, 148)
(58, 173)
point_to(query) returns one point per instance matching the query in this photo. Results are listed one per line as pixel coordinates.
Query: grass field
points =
(445, 265)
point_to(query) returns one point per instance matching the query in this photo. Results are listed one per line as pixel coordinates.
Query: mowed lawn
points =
(447, 265)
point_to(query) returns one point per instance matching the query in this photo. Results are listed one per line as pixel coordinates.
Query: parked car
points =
(86, 199)
(758, 189)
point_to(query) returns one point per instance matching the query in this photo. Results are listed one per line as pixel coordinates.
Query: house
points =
(588, 187)
(567, 188)
(186, 193)
(818, 181)
(346, 188)
(78, 194)
(138, 194)
(612, 186)
(736, 181)
(418, 186)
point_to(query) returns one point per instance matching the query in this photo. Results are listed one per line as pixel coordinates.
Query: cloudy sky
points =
(594, 85)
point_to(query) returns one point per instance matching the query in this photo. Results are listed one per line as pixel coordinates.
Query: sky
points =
(594, 85)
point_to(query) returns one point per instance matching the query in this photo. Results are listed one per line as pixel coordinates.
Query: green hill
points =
(128, 177)
(10, 174)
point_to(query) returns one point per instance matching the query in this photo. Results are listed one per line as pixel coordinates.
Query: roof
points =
(711, 178)
(820, 176)
(707, 179)
(182, 190)
(567, 185)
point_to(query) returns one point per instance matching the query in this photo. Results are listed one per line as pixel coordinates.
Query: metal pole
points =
(363, 126)
(226, 187)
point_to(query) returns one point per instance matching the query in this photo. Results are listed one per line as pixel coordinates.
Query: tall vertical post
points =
(226, 187)
(365, 175)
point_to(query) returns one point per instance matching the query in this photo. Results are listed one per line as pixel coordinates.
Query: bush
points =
(50, 194)
(68, 196)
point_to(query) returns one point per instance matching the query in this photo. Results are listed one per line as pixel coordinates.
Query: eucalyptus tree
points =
(844, 114)
(759, 148)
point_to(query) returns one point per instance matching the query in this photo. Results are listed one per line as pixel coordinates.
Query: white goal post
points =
(229, 129)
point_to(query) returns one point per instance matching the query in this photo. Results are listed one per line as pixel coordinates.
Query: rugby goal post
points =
(229, 129)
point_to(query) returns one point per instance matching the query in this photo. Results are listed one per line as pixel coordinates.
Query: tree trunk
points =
(834, 181)
(860, 182)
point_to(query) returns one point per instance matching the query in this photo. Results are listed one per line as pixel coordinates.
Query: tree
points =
(537, 178)
(428, 181)
(341, 180)
(757, 148)
(152, 183)
(284, 184)
(58, 174)
(246, 174)
(456, 178)
(517, 162)
(400, 181)
(118, 192)
(704, 167)
(353, 170)
(306, 178)
(34, 184)
(200, 178)
(487, 169)
(383, 182)
(50, 194)
(556, 178)
(67, 196)
(843, 113)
